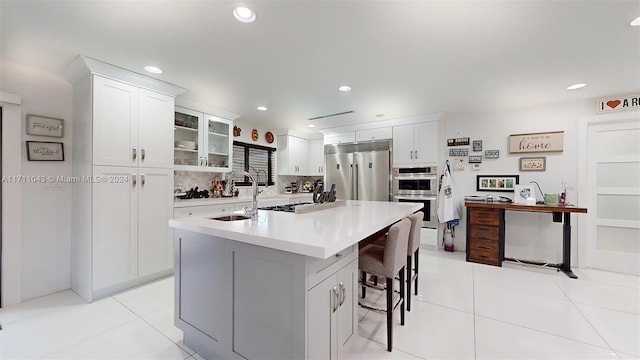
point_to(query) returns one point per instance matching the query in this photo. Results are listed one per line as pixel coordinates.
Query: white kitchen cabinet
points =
(122, 159)
(292, 155)
(332, 319)
(202, 142)
(415, 144)
(131, 126)
(338, 138)
(131, 211)
(316, 157)
(374, 134)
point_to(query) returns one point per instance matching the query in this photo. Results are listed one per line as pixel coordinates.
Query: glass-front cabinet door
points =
(202, 142)
(218, 143)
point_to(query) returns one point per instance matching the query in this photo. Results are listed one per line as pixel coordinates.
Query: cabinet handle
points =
(135, 153)
(336, 299)
(142, 153)
(133, 179)
(415, 153)
(141, 179)
(343, 293)
(190, 213)
(411, 154)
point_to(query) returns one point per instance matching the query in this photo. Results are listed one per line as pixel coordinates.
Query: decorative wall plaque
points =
(458, 152)
(458, 141)
(491, 154)
(536, 142)
(477, 145)
(475, 159)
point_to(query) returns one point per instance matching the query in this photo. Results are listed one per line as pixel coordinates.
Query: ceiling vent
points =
(331, 115)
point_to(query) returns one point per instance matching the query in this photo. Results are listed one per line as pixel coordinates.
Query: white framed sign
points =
(44, 126)
(536, 142)
(45, 151)
(628, 102)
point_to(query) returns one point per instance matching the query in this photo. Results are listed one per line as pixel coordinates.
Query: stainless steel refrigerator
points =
(361, 171)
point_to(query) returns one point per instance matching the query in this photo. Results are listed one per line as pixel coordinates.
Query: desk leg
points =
(566, 247)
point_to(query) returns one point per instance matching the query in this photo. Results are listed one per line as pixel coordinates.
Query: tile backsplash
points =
(185, 180)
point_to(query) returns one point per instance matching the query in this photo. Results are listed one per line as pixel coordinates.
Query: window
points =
(257, 160)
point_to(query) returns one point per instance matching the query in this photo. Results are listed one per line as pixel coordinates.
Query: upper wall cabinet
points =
(374, 134)
(131, 125)
(202, 142)
(316, 157)
(415, 144)
(292, 155)
(339, 138)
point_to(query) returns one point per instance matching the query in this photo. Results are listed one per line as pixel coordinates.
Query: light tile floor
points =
(463, 311)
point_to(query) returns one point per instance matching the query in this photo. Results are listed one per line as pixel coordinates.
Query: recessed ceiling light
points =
(635, 22)
(244, 14)
(311, 125)
(153, 69)
(344, 88)
(576, 86)
(262, 108)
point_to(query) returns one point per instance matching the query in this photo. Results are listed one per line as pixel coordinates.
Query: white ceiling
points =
(402, 58)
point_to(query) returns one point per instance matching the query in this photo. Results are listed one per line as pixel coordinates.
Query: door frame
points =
(12, 155)
(585, 123)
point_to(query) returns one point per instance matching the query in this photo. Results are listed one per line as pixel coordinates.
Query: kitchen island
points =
(279, 286)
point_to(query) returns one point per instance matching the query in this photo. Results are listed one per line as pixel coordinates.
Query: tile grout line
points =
(586, 319)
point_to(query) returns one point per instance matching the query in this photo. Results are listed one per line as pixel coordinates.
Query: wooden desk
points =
(485, 231)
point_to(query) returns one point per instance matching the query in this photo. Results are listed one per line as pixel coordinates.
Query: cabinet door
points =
(339, 138)
(155, 129)
(155, 209)
(347, 313)
(299, 152)
(187, 138)
(115, 123)
(320, 315)
(217, 146)
(426, 143)
(374, 134)
(316, 157)
(115, 247)
(403, 145)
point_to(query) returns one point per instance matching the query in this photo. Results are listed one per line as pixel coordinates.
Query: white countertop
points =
(317, 234)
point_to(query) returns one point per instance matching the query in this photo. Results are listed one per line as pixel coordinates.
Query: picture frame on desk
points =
(505, 183)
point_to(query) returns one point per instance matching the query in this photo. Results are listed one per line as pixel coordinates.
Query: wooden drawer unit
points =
(485, 236)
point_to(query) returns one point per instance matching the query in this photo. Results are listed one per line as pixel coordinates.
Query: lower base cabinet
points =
(331, 313)
(241, 301)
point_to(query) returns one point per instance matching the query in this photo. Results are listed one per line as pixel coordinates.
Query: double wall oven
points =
(418, 185)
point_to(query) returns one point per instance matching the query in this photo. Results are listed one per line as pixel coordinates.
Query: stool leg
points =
(408, 283)
(375, 280)
(363, 275)
(389, 291)
(402, 297)
(416, 255)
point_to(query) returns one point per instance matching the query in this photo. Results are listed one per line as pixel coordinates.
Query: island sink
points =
(233, 217)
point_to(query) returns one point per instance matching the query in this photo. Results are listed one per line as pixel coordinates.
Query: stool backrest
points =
(414, 234)
(395, 248)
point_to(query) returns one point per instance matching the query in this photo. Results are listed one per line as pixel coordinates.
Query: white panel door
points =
(115, 122)
(403, 145)
(155, 129)
(426, 143)
(155, 209)
(613, 168)
(115, 249)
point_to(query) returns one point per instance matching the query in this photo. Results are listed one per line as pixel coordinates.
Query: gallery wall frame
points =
(45, 151)
(504, 183)
(536, 163)
(45, 126)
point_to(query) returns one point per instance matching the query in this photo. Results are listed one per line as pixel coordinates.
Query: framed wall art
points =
(536, 142)
(44, 126)
(491, 154)
(533, 163)
(45, 151)
(477, 145)
(496, 182)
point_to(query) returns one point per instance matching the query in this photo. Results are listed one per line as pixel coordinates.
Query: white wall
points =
(529, 236)
(46, 207)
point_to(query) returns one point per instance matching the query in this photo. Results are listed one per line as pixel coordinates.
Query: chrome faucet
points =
(253, 212)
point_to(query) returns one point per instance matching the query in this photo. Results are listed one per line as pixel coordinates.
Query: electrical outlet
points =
(567, 185)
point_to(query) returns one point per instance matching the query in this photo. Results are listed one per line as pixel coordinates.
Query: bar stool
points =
(413, 250)
(388, 261)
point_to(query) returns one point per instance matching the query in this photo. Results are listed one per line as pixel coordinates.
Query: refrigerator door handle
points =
(351, 181)
(355, 194)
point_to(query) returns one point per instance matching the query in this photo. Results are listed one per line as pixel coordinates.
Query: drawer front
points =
(483, 245)
(484, 216)
(484, 232)
(484, 256)
(319, 269)
(201, 211)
